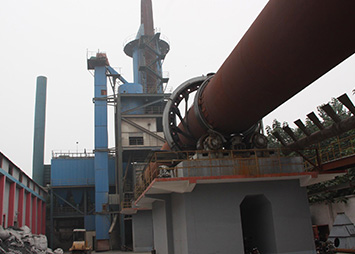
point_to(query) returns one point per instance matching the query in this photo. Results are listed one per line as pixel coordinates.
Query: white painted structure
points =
(325, 213)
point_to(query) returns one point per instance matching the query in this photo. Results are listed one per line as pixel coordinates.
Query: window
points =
(1, 159)
(11, 169)
(136, 141)
(159, 124)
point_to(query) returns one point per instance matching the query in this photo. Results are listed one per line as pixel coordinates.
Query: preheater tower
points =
(148, 51)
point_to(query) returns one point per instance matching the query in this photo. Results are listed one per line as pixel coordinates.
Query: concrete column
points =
(162, 225)
(34, 215)
(28, 209)
(11, 208)
(142, 231)
(39, 216)
(20, 206)
(43, 218)
(2, 196)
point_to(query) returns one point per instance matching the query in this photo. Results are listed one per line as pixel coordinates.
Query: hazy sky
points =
(51, 38)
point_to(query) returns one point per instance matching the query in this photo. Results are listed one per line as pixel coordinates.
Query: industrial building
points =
(214, 187)
(232, 194)
(22, 200)
(89, 189)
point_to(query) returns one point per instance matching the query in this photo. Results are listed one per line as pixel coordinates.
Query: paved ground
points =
(116, 252)
(120, 252)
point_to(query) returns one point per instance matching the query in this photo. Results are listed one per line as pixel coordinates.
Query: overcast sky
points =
(51, 38)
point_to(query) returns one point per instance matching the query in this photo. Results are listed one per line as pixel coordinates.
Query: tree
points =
(337, 189)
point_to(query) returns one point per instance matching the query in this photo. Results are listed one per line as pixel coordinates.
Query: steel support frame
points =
(65, 201)
(34, 215)
(119, 161)
(28, 209)
(51, 236)
(11, 208)
(39, 216)
(43, 218)
(2, 197)
(20, 206)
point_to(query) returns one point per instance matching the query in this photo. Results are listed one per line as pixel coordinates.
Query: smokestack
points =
(39, 130)
(147, 17)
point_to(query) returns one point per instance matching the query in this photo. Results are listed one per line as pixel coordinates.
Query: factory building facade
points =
(72, 193)
(22, 201)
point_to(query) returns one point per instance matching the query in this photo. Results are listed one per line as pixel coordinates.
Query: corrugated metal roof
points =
(342, 219)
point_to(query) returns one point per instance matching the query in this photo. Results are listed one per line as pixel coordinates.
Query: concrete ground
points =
(120, 252)
(115, 252)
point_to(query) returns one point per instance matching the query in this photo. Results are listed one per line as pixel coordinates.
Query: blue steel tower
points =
(95, 190)
(139, 115)
(138, 125)
(102, 219)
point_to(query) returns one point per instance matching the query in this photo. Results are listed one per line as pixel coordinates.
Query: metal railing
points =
(73, 181)
(127, 202)
(154, 110)
(337, 149)
(71, 154)
(133, 37)
(59, 154)
(222, 163)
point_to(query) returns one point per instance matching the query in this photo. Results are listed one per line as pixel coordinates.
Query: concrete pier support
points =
(142, 231)
(226, 218)
(162, 224)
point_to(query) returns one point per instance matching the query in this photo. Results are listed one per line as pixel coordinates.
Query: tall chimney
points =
(39, 130)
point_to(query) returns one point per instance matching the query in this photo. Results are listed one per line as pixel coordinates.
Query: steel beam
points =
(20, 206)
(34, 215)
(2, 197)
(11, 207)
(328, 132)
(28, 209)
(39, 216)
(143, 129)
(345, 100)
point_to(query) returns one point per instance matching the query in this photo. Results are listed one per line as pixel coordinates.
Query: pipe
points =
(290, 45)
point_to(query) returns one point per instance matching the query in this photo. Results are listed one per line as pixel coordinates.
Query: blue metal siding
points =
(131, 88)
(89, 222)
(72, 172)
(77, 172)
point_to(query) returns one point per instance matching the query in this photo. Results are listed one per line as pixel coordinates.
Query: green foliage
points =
(333, 191)
(337, 189)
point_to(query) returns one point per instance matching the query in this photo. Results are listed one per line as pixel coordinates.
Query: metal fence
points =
(221, 163)
(337, 149)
